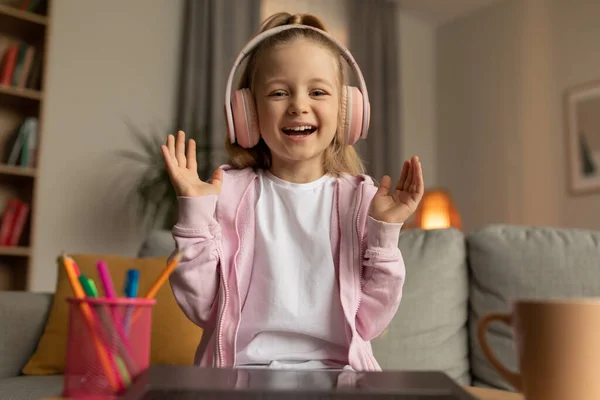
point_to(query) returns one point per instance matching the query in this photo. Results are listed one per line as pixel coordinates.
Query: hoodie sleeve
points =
(195, 281)
(382, 279)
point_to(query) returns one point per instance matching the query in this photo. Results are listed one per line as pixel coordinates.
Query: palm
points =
(405, 198)
(183, 169)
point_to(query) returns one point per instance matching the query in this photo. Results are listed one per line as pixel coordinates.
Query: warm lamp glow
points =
(437, 211)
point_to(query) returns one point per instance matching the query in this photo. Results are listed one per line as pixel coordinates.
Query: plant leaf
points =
(146, 142)
(135, 156)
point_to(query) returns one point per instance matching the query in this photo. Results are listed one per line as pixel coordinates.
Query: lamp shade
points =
(437, 211)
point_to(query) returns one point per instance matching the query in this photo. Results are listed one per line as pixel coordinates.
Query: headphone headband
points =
(254, 42)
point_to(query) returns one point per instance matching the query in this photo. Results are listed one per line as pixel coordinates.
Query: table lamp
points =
(436, 211)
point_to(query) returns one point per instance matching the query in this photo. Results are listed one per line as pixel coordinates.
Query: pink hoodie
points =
(217, 238)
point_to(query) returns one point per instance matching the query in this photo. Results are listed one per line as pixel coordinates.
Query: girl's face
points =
(297, 100)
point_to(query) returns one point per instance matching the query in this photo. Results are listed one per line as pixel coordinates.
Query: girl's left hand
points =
(404, 199)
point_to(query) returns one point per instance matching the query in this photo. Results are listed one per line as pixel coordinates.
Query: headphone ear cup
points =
(245, 119)
(343, 119)
(351, 114)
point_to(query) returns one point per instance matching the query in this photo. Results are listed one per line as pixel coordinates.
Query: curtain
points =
(374, 43)
(214, 32)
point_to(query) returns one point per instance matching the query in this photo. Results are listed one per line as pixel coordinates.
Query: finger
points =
(384, 186)
(180, 149)
(403, 175)
(409, 177)
(419, 183)
(191, 155)
(415, 174)
(217, 178)
(170, 161)
(171, 145)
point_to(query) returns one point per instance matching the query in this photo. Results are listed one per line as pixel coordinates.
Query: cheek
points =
(267, 112)
(330, 113)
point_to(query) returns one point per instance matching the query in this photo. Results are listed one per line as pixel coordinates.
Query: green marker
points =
(89, 287)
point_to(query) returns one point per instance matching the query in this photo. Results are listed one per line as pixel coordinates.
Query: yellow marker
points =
(87, 314)
(164, 275)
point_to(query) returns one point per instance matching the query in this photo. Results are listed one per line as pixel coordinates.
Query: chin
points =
(298, 155)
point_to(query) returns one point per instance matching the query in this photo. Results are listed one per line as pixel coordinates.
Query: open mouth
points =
(303, 130)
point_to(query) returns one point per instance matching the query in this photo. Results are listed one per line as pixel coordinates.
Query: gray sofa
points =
(452, 280)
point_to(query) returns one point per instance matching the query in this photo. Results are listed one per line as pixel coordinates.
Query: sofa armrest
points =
(22, 319)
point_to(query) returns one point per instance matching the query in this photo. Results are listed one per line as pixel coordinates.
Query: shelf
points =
(16, 104)
(18, 251)
(14, 13)
(28, 101)
(21, 93)
(17, 171)
(22, 25)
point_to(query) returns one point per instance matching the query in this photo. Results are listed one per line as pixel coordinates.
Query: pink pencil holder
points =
(108, 345)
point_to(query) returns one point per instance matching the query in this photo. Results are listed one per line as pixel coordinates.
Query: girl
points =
(290, 253)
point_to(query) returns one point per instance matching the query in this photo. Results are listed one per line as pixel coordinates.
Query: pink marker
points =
(107, 283)
(109, 292)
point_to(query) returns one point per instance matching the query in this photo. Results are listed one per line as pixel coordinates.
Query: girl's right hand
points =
(183, 170)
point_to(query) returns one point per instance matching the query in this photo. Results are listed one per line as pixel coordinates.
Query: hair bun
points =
(284, 18)
(307, 19)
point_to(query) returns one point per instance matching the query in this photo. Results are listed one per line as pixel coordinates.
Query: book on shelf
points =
(13, 222)
(24, 144)
(20, 61)
(20, 65)
(35, 6)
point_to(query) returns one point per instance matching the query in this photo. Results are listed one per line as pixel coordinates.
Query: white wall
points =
(108, 60)
(478, 144)
(331, 12)
(502, 74)
(418, 82)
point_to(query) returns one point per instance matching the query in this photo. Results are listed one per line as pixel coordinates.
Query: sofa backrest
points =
(508, 262)
(429, 331)
(23, 317)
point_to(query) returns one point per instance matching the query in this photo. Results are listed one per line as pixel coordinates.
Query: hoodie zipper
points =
(358, 246)
(360, 259)
(220, 350)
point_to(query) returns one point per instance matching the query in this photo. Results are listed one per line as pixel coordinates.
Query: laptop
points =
(192, 382)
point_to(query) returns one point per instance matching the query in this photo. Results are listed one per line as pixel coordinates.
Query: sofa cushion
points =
(511, 262)
(429, 330)
(174, 338)
(31, 387)
(23, 316)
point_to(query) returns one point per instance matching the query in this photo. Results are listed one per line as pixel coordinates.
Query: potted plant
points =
(152, 190)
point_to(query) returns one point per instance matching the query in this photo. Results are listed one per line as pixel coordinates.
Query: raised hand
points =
(404, 199)
(183, 169)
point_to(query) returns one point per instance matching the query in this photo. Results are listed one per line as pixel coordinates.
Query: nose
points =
(298, 105)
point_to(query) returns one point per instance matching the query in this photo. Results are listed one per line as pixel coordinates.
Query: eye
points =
(318, 92)
(277, 93)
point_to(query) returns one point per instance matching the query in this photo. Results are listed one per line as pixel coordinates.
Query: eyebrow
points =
(283, 81)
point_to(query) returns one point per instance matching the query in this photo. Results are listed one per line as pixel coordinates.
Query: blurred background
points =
(497, 97)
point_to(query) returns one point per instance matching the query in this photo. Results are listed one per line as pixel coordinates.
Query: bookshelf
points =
(24, 31)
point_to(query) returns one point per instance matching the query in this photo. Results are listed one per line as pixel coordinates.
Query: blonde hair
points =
(338, 157)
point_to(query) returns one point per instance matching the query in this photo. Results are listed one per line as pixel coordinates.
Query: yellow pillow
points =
(174, 338)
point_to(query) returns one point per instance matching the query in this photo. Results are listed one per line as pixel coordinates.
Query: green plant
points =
(154, 196)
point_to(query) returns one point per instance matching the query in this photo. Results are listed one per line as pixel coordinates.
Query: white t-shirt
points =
(292, 316)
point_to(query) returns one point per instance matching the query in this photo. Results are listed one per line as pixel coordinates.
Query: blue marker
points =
(131, 288)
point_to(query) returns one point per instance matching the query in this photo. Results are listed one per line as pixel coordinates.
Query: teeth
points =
(299, 128)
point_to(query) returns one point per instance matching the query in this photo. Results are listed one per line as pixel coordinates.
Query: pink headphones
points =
(240, 110)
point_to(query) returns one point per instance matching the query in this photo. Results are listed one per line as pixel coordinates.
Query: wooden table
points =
(479, 393)
(491, 394)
